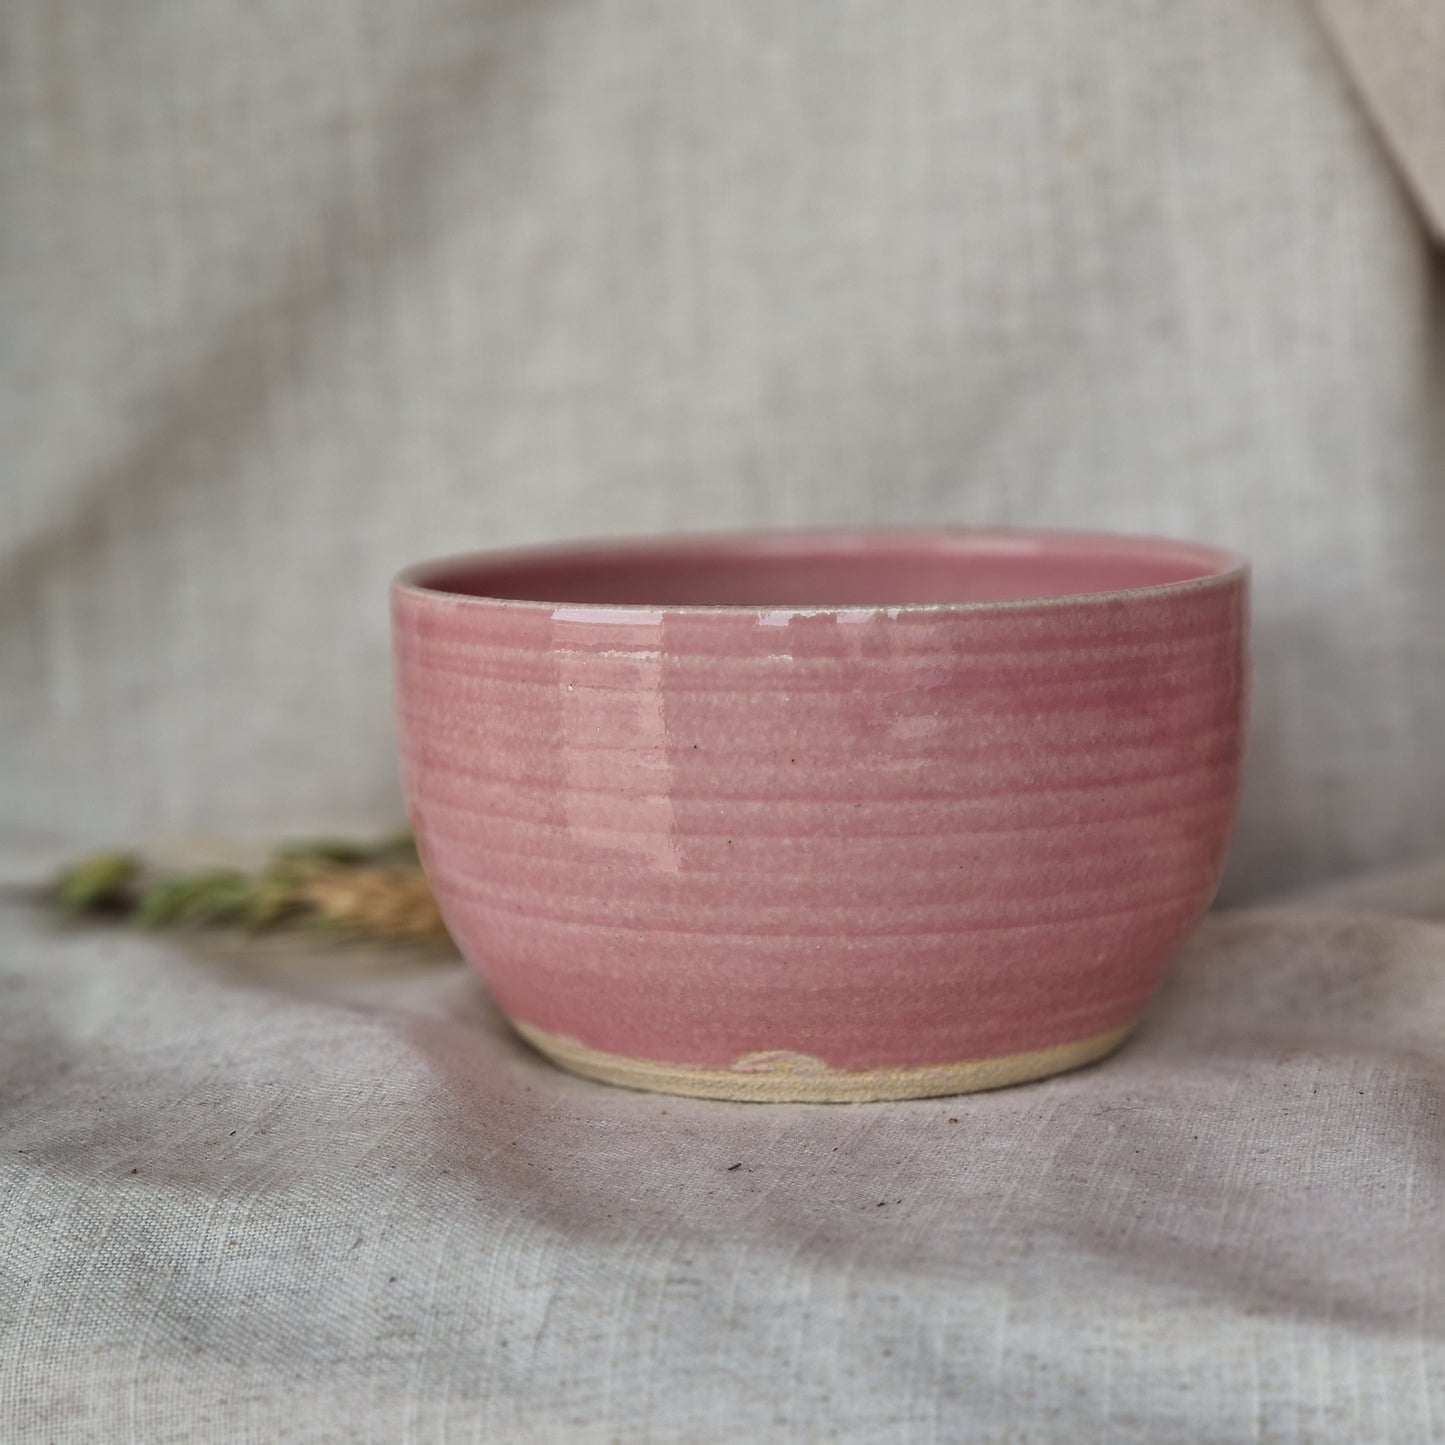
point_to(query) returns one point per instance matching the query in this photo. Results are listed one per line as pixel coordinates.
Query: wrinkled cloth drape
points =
(293, 296)
(280, 1195)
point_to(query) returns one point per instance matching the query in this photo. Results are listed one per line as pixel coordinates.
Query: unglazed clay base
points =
(780, 1076)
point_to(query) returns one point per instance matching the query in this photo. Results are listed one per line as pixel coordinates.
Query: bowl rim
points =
(1229, 568)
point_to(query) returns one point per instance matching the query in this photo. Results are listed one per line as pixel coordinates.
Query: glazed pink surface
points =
(839, 794)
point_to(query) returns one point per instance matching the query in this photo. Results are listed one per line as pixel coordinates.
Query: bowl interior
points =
(826, 570)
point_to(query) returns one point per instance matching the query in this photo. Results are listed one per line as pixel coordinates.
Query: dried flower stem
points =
(373, 891)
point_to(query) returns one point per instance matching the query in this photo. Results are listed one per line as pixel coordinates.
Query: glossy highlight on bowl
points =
(824, 816)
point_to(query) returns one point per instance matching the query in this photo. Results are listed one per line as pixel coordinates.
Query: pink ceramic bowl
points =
(824, 816)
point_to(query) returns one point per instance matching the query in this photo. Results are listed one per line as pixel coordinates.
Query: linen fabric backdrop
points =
(293, 296)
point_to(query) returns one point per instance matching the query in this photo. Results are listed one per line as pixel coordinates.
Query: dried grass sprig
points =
(374, 891)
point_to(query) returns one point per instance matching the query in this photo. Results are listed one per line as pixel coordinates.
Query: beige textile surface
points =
(294, 294)
(1396, 53)
(310, 1197)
